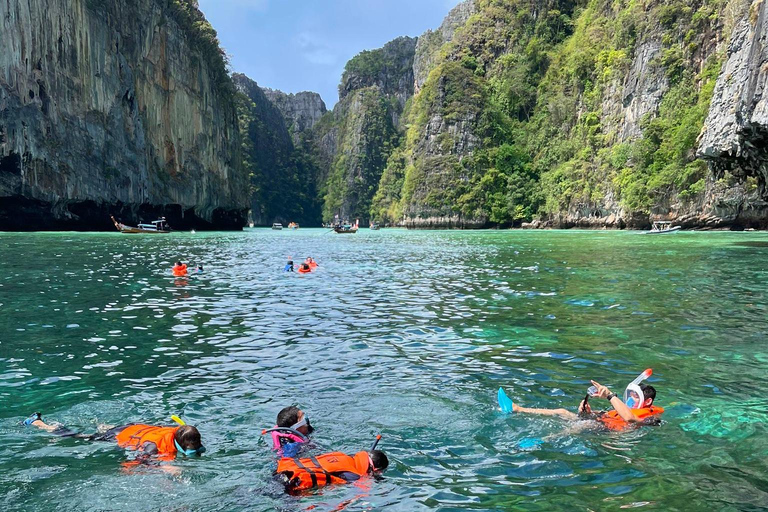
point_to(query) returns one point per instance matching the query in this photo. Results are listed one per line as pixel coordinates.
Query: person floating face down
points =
(292, 431)
(636, 409)
(328, 469)
(304, 268)
(162, 443)
(179, 269)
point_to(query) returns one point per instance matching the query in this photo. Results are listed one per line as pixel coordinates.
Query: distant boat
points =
(662, 227)
(277, 226)
(374, 226)
(156, 226)
(293, 225)
(250, 224)
(346, 228)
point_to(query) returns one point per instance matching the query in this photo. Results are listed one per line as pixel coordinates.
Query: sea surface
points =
(404, 334)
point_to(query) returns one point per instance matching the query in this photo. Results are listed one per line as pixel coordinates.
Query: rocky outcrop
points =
(301, 111)
(365, 127)
(283, 174)
(429, 43)
(115, 107)
(735, 134)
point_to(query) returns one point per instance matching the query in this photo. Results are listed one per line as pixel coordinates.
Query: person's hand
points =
(602, 391)
(585, 407)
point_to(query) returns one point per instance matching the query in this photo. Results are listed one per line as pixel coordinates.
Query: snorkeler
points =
(163, 442)
(292, 431)
(304, 268)
(330, 468)
(199, 269)
(288, 266)
(311, 262)
(635, 409)
(180, 269)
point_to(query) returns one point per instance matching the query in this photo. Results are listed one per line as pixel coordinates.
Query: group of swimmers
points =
(290, 437)
(307, 266)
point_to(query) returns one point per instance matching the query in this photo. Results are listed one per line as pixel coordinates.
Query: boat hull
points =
(664, 231)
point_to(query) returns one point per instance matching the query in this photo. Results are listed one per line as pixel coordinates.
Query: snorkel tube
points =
(634, 387)
(375, 443)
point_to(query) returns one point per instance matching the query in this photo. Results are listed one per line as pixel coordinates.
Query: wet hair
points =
(380, 460)
(288, 417)
(290, 262)
(188, 437)
(200, 267)
(648, 392)
(178, 263)
(305, 266)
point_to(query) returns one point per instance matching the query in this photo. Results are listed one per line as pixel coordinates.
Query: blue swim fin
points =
(505, 403)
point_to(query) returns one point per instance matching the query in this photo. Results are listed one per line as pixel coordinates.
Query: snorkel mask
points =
(633, 395)
(189, 452)
(302, 422)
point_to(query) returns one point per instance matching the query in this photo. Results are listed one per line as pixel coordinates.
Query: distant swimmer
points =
(180, 269)
(328, 469)
(635, 409)
(291, 433)
(304, 268)
(163, 443)
(288, 266)
(199, 269)
(311, 262)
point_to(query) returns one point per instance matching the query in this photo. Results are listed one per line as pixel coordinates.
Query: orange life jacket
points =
(134, 437)
(180, 270)
(305, 270)
(302, 474)
(312, 264)
(613, 421)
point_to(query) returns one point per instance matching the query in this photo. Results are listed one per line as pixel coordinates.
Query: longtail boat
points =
(156, 226)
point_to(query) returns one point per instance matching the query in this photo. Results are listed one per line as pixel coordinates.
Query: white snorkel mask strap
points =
(634, 387)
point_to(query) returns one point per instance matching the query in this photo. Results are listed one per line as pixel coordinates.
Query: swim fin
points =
(505, 403)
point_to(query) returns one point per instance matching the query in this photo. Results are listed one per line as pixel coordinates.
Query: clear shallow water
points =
(408, 334)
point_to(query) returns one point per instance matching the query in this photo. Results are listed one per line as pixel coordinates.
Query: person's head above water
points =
(379, 460)
(649, 394)
(187, 440)
(293, 417)
(178, 263)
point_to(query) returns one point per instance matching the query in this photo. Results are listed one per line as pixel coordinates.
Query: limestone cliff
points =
(735, 133)
(115, 107)
(301, 111)
(281, 169)
(365, 127)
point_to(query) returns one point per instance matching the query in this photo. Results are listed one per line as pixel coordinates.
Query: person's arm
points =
(563, 413)
(619, 406)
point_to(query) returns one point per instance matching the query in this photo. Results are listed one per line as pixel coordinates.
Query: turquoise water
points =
(407, 334)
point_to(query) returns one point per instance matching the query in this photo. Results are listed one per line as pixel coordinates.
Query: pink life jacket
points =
(280, 439)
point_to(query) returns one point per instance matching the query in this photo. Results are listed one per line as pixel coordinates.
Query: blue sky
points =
(303, 45)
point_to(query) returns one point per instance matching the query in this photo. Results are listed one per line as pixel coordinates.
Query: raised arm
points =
(619, 406)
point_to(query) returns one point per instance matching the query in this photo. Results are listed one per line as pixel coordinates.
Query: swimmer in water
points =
(636, 409)
(180, 269)
(331, 468)
(292, 431)
(163, 443)
(288, 266)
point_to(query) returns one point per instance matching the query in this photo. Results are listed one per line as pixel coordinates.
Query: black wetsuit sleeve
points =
(149, 448)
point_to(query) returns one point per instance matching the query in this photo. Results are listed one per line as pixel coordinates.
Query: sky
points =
(303, 45)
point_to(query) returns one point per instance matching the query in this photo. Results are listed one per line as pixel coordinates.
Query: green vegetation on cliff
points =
(543, 108)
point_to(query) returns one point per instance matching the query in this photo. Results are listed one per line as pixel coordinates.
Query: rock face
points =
(115, 107)
(301, 111)
(735, 134)
(364, 127)
(282, 171)
(429, 43)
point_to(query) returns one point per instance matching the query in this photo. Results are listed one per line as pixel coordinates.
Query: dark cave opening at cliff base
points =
(18, 213)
